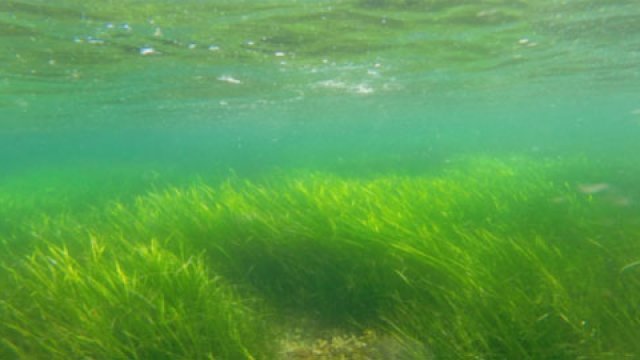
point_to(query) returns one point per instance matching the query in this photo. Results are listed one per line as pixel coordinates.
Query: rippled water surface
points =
(124, 64)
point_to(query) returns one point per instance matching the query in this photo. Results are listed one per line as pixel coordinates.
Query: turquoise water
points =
(275, 82)
(104, 101)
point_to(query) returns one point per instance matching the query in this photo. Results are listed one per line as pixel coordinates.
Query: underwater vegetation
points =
(124, 301)
(486, 258)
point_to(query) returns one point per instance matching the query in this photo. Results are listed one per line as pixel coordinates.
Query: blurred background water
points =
(344, 85)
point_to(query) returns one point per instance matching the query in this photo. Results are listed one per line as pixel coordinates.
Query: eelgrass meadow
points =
(335, 179)
(488, 258)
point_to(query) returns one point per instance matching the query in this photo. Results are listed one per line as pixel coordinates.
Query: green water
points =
(522, 118)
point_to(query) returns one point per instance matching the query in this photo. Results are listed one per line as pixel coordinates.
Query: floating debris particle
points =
(593, 188)
(147, 51)
(229, 79)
